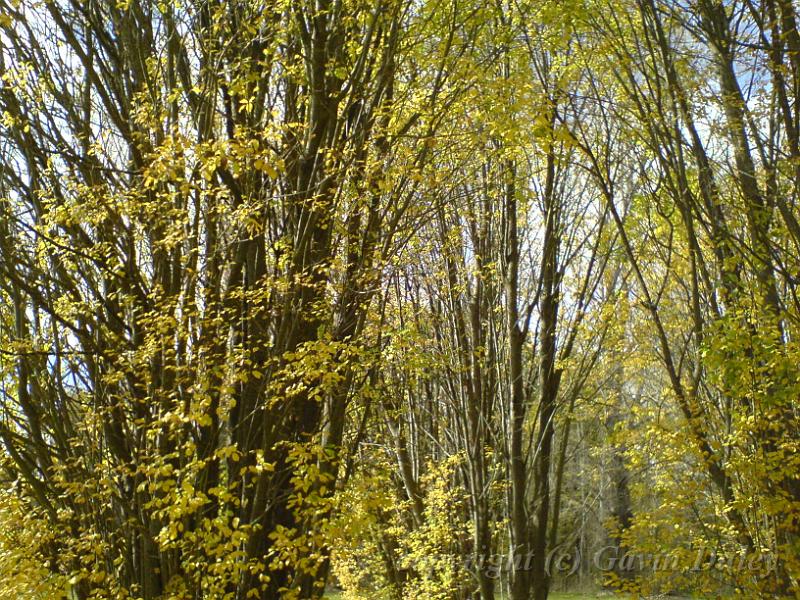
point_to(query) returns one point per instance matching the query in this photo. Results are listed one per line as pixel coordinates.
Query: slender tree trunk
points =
(520, 539)
(550, 381)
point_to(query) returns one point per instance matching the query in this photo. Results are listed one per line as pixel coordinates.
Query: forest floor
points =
(332, 595)
(553, 596)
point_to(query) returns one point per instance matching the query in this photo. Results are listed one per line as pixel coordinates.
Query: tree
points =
(717, 288)
(197, 203)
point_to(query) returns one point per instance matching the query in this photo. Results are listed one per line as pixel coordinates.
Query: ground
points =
(553, 596)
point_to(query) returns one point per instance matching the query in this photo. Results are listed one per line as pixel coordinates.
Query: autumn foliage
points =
(368, 293)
